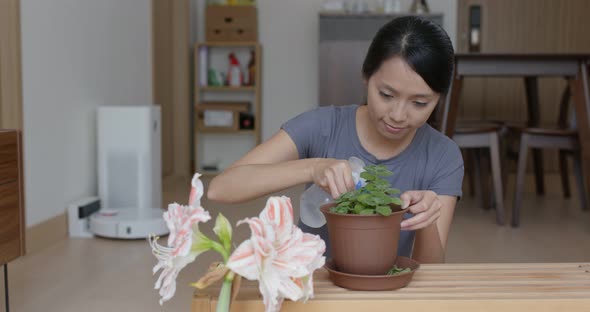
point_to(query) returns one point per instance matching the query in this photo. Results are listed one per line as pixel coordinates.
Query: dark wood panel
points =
(10, 65)
(8, 157)
(527, 26)
(163, 76)
(10, 222)
(171, 82)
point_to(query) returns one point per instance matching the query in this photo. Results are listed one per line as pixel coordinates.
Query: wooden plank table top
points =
(443, 287)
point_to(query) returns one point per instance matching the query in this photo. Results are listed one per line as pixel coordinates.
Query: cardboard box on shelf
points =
(225, 23)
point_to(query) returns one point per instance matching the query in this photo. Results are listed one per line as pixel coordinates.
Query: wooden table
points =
(574, 67)
(444, 287)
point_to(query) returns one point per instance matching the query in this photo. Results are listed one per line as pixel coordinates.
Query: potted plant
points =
(364, 225)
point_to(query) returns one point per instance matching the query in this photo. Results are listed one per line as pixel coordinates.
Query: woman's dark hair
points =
(422, 44)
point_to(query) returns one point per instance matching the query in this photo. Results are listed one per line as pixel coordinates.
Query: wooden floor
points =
(113, 275)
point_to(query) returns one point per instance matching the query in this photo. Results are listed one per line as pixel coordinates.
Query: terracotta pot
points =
(361, 244)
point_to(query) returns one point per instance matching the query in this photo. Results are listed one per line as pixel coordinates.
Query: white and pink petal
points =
(279, 213)
(245, 261)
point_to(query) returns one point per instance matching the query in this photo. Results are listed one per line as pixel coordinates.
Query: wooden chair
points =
(473, 137)
(563, 138)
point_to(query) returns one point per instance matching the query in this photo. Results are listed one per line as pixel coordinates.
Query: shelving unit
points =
(227, 89)
(253, 93)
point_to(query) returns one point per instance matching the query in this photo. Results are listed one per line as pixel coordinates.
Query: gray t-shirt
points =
(432, 161)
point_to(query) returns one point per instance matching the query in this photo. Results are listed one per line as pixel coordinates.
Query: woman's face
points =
(399, 101)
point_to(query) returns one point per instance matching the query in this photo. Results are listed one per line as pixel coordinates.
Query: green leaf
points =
(366, 199)
(347, 195)
(201, 243)
(393, 191)
(367, 212)
(383, 210)
(388, 200)
(368, 176)
(395, 270)
(383, 197)
(371, 187)
(341, 208)
(378, 170)
(378, 200)
(358, 208)
(397, 201)
(344, 205)
(223, 230)
(384, 173)
(381, 183)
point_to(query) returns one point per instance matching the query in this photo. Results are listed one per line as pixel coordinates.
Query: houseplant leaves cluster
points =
(375, 198)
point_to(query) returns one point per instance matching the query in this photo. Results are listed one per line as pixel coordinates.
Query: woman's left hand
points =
(425, 206)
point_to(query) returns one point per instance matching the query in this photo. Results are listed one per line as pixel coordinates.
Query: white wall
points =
(288, 32)
(76, 56)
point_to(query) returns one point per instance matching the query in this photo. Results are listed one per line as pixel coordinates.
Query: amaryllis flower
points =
(185, 242)
(279, 255)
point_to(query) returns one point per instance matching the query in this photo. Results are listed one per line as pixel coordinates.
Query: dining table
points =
(530, 67)
(506, 287)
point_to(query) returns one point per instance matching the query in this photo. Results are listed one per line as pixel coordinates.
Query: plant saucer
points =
(374, 282)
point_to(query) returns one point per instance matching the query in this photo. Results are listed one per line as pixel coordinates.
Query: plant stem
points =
(220, 249)
(225, 294)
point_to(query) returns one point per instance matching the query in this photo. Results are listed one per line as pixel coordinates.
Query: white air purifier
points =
(129, 173)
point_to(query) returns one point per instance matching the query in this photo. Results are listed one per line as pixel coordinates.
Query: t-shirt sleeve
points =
(310, 131)
(448, 177)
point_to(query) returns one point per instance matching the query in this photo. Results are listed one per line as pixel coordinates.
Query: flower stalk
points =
(224, 299)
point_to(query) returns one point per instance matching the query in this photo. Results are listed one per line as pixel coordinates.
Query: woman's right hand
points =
(333, 175)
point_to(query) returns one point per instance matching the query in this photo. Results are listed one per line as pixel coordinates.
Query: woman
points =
(407, 69)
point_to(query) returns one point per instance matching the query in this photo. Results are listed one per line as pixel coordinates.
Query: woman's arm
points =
(270, 167)
(273, 166)
(431, 242)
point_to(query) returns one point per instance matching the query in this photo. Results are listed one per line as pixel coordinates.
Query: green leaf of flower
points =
(367, 212)
(201, 243)
(223, 230)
